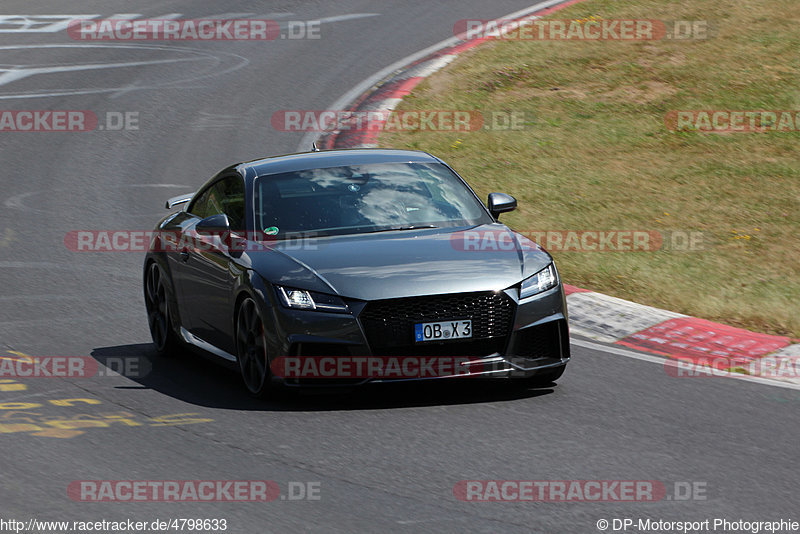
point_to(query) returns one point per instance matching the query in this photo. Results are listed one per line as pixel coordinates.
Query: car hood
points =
(406, 263)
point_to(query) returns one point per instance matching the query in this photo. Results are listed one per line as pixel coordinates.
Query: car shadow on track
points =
(194, 379)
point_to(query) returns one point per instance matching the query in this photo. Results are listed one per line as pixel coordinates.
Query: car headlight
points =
(545, 279)
(301, 299)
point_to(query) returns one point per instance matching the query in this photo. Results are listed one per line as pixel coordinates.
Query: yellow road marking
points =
(19, 405)
(58, 433)
(71, 402)
(8, 237)
(40, 425)
(11, 385)
(179, 419)
(18, 357)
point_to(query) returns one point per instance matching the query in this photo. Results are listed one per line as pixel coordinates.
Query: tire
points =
(540, 380)
(251, 349)
(158, 316)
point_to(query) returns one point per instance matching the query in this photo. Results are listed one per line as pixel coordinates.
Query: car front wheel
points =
(251, 348)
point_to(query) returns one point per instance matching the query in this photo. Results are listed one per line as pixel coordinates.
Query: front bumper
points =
(536, 341)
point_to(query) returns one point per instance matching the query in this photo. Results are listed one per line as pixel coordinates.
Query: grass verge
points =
(595, 152)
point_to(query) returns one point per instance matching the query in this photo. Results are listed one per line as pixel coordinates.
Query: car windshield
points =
(365, 198)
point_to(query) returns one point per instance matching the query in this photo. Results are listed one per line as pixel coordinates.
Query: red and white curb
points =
(689, 339)
(593, 315)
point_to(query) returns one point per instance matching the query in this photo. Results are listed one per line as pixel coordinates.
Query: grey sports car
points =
(353, 266)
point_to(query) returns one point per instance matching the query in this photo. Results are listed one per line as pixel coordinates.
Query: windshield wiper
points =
(398, 228)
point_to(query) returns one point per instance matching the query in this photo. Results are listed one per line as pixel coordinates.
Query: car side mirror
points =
(501, 203)
(214, 225)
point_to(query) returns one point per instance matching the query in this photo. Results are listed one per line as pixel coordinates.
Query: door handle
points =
(184, 256)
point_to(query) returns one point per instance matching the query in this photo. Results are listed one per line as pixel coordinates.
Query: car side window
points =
(200, 206)
(224, 196)
(229, 198)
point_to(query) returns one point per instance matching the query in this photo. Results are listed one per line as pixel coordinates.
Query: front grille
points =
(389, 324)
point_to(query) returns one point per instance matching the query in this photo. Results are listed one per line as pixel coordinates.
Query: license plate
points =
(444, 330)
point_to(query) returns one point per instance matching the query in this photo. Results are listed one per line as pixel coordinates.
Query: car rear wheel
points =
(157, 304)
(251, 348)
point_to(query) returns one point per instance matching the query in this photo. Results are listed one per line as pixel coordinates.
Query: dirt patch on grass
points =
(648, 91)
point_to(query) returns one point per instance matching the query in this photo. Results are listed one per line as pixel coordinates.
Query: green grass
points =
(596, 154)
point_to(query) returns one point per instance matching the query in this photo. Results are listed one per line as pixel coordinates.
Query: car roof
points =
(333, 158)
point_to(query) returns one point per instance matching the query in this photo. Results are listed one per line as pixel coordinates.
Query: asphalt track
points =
(385, 459)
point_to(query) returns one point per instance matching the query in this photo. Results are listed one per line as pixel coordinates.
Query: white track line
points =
(664, 361)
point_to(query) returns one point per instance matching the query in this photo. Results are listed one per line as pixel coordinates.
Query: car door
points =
(173, 237)
(208, 270)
